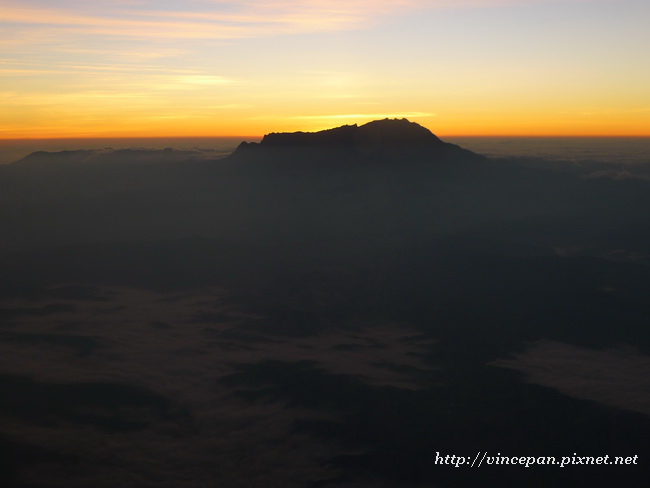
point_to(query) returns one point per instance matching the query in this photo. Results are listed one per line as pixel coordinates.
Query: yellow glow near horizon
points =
(213, 68)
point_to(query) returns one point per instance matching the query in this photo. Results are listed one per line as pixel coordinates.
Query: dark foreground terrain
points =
(322, 310)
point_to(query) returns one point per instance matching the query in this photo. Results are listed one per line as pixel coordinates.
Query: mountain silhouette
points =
(383, 139)
(391, 178)
(376, 133)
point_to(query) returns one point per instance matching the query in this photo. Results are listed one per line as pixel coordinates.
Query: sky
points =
(142, 68)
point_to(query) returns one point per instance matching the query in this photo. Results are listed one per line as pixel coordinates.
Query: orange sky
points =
(212, 68)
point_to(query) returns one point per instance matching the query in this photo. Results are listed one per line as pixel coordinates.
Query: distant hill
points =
(44, 160)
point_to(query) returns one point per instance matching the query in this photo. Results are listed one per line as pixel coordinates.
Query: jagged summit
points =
(375, 133)
(387, 139)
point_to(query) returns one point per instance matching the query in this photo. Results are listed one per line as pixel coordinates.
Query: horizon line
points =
(249, 136)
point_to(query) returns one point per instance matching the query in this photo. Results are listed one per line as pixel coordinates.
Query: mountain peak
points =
(380, 140)
(376, 133)
(396, 131)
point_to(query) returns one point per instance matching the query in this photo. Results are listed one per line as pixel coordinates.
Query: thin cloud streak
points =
(249, 19)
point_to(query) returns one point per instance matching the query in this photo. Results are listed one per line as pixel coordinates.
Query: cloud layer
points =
(615, 376)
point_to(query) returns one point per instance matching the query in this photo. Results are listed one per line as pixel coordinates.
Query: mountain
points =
(388, 178)
(377, 133)
(380, 139)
